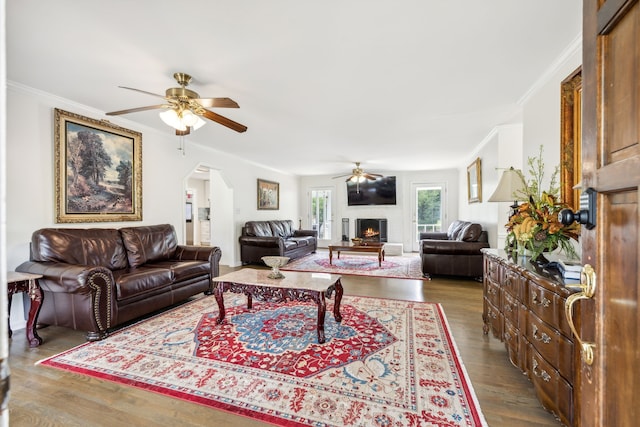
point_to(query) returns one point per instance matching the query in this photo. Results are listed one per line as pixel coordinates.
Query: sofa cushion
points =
(303, 241)
(149, 243)
(290, 244)
(470, 233)
(137, 281)
(454, 229)
(258, 229)
(94, 247)
(282, 228)
(183, 270)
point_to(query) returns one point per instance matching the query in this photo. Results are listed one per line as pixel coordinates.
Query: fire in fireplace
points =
(370, 233)
(371, 229)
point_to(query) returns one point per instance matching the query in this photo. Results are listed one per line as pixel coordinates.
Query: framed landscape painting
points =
(98, 170)
(268, 195)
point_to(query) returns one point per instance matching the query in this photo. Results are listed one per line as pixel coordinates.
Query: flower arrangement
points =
(535, 225)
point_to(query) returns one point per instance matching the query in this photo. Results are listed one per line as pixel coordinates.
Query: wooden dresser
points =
(524, 308)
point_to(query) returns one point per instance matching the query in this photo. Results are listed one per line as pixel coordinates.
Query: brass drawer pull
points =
(545, 302)
(542, 374)
(543, 338)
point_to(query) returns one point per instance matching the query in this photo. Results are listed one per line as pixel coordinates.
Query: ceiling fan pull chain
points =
(181, 146)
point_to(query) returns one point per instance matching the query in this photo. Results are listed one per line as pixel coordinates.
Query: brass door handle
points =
(588, 289)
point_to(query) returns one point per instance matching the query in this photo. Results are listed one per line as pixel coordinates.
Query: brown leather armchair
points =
(456, 252)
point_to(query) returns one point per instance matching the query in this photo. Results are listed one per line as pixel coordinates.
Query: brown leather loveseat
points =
(456, 252)
(98, 278)
(275, 237)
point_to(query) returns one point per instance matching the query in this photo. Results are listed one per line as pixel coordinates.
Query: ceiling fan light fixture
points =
(199, 123)
(188, 118)
(171, 118)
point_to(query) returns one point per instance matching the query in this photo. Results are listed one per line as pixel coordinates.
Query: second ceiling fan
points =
(184, 107)
(358, 175)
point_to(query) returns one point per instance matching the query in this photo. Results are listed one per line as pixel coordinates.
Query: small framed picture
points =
(268, 195)
(474, 181)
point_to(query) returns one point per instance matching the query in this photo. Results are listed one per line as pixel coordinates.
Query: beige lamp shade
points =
(510, 183)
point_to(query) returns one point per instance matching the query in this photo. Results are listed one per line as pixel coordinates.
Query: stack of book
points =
(570, 270)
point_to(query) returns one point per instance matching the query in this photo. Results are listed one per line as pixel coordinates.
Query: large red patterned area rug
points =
(403, 267)
(388, 363)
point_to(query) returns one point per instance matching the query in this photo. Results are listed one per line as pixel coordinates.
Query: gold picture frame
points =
(268, 195)
(98, 170)
(474, 181)
(571, 139)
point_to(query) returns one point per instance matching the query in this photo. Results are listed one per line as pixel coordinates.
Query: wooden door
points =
(608, 388)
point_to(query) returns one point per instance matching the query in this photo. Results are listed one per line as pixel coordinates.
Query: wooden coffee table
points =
(373, 247)
(295, 286)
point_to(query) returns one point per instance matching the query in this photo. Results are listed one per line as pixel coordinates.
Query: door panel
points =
(321, 202)
(620, 308)
(607, 389)
(428, 210)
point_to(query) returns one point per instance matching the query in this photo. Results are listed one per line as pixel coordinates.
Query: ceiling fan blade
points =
(142, 91)
(217, 102)
(372, 176)
(224, 121)
(135, 110)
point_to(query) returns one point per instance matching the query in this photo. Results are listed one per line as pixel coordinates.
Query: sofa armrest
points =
(212, 254)
(451, 247)
(70, 278)
(433, 235)
(302, 233)
(265, 242)
(95, 283)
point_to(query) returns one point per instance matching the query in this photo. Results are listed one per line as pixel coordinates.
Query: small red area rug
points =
(402, 267)
(389, 363)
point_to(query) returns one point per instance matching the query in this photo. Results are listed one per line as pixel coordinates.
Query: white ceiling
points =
(396, 85)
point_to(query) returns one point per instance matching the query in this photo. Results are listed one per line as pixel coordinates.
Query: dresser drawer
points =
(492, 292)
(552, 345)
(555, 393)
(511, 309)
(543, 303)
(512, 284)
(494, 319)
(515, 345)
(493, 270)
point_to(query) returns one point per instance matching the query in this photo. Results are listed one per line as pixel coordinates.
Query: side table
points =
(27, 283)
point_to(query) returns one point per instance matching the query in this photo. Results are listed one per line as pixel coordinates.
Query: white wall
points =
(508, 145)
(30, 190)
(500, 150)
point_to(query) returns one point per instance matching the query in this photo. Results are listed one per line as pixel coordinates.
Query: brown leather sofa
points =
(454, 253)
(98, 278)
(275, 237)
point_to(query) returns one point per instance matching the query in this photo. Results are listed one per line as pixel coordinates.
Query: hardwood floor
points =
(50, 397)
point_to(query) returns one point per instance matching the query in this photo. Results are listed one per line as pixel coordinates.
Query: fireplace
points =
(371, 229)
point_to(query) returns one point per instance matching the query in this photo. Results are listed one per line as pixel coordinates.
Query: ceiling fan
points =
(184, 107)
(358, 175)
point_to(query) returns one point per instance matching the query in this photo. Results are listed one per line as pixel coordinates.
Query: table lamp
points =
(511, 183)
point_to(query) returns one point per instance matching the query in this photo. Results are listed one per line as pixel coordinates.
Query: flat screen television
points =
(382, 191)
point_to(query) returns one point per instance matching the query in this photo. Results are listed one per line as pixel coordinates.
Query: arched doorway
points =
(211, 220)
